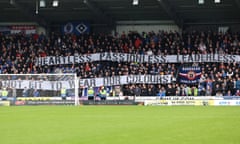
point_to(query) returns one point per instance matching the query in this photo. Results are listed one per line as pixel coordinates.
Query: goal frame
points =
(75, 78)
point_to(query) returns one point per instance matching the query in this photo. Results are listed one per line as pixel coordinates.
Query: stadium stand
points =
(19, 51)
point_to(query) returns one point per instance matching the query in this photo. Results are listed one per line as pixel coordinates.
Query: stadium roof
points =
(110, 11)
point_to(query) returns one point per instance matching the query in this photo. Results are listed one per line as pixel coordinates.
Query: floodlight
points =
(55, 3)
(42, 3)
(200, 1)
(217, 1)
(135, 2)
(12, 1)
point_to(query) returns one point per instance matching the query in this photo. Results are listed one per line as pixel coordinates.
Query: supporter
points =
(238, 84)
(237, 93)
(229, 93)
(161, 93)
(25, 92)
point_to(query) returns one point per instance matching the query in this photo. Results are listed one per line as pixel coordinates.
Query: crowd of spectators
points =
(19, 51)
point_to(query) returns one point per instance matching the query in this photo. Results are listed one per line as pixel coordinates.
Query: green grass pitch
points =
(119, 125)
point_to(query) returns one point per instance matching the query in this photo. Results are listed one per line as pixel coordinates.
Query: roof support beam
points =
(171, 12)
(32, 14)
(99, 13)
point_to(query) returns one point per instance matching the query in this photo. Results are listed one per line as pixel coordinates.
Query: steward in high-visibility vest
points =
(90, 93)
(63, 93)
(195, 91)
(4, 94)
(189, 91)
(103, 94)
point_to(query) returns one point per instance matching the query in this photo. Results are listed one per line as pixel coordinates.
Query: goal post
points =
(62, 86)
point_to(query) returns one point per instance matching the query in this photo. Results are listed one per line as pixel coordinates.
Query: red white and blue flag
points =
(189, 75)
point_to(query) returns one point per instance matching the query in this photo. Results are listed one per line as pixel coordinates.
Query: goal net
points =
(39, 87)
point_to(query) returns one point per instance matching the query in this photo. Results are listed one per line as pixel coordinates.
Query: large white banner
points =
(92, 82)
(124, 57)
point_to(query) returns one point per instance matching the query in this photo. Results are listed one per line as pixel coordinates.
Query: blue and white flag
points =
(189, 75)
(76, 28)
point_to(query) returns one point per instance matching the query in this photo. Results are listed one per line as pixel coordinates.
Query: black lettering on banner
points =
(219, 58)
(102, 55)
(81, 82)
(52, 85)
(212, 57)
(71, 84)
(146, 79)
(164, 79)
(51, 61)
(121, 55)
(233, 58)
(57, 60)
(8, 83)
(156, 59)
(89, 82)
(197, 57)
(118, 80)
(81, 58)
(58, 85)
(64, 60)
(108, 57)
(68, 60)
(106, 81)
(155, 79)
(228, 58)
(31, 84)
(184, 58)
(109, 81)
(45, 62)
(139, 79)
(129, 79)
(159, 79)
(163, 57)
(86, 83)
(38, 61)
(177, 59)
(151, 80)
(130, 57)
(75, 59)
(40, 84)
(115, 57)
(208, 58)
(140, 58)
(225, 58)
(201, 57)
(190, 58)
(88, 58)
(113, 80)
(92, 82)
(149, 58)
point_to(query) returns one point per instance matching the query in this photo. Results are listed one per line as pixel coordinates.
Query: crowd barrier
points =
(195, 101)
(129, 100)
